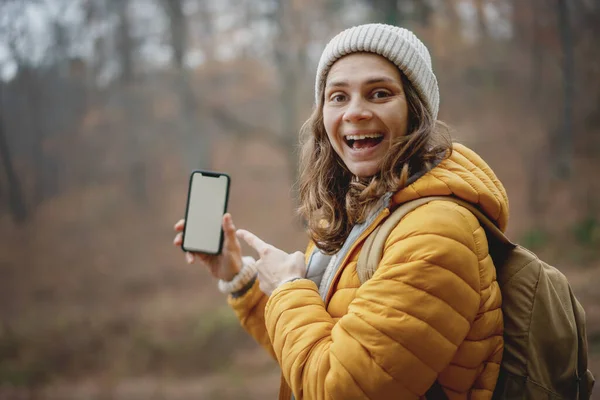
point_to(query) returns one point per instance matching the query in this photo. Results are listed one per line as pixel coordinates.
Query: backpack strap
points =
(372, 250)
(585, 379)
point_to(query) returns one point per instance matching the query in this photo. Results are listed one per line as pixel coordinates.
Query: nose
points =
(357, 111)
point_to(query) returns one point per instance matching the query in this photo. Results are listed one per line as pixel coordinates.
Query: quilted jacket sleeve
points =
(250, 310)
(403, 327)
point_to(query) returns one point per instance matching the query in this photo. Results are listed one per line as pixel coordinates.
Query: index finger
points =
(253, 241)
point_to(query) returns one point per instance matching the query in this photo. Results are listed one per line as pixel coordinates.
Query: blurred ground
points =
(253, 376)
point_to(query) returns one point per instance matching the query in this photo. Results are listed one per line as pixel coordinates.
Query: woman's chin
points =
(364, 170)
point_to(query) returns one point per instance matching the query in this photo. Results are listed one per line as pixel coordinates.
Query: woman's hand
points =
(225, 265)
(274, 266)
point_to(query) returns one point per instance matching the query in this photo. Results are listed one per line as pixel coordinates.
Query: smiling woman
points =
(364, 110)
(365, 96)
(429, 320)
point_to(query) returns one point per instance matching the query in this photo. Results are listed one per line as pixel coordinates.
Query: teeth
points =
(368, 135)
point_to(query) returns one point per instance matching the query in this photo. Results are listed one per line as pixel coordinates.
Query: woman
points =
(431, 312)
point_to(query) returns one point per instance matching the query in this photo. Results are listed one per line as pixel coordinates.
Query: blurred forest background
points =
(106, 106)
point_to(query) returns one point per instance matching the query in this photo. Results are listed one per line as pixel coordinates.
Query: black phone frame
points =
(213, 174)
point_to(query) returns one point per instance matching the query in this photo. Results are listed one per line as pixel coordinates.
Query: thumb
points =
(229, 229)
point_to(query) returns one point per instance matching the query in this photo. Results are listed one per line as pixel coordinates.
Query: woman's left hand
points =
(274, 266)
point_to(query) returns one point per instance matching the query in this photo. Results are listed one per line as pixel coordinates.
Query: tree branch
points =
(242, 129)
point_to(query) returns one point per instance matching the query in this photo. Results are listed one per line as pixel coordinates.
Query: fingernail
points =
(189, 258)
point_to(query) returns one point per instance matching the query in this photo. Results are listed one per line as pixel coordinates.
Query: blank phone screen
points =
(207, 203)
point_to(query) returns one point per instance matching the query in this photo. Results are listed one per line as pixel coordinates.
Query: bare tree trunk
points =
(424, 12)
(16, 201)
(482, 20)
(526, 37)
(534, 162)
(136, 182)
(124, 41)
(450, 9)
(33, 91)
(178, 31)
(564, 142)
(195, 142)
(536, 53)
(289, 55)
(387, 11)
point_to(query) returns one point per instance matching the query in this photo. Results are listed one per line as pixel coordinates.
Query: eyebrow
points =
(368, 82)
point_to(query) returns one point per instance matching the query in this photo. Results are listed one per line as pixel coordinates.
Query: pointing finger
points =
(253, 241)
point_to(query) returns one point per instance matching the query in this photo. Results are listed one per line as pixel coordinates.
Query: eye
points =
(381, 94)
(337, 97)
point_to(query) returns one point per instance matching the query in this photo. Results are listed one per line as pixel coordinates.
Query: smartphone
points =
(208, 193)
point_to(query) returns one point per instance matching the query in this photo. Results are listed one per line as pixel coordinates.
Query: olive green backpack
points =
(545, 344)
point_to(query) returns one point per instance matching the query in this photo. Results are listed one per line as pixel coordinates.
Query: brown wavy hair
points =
(332, 200)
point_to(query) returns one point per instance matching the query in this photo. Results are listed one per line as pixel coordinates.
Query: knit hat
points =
(398, 45)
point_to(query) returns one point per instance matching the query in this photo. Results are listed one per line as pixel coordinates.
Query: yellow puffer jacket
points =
(431, 310)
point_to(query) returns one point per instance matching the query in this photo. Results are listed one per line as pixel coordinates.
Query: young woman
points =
(432, 310)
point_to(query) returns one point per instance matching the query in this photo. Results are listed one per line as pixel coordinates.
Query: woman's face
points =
(364, 109)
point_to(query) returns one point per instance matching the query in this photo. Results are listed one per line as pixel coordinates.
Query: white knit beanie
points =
(398, 45)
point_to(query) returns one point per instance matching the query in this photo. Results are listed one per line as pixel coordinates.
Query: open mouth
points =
(363, 141)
